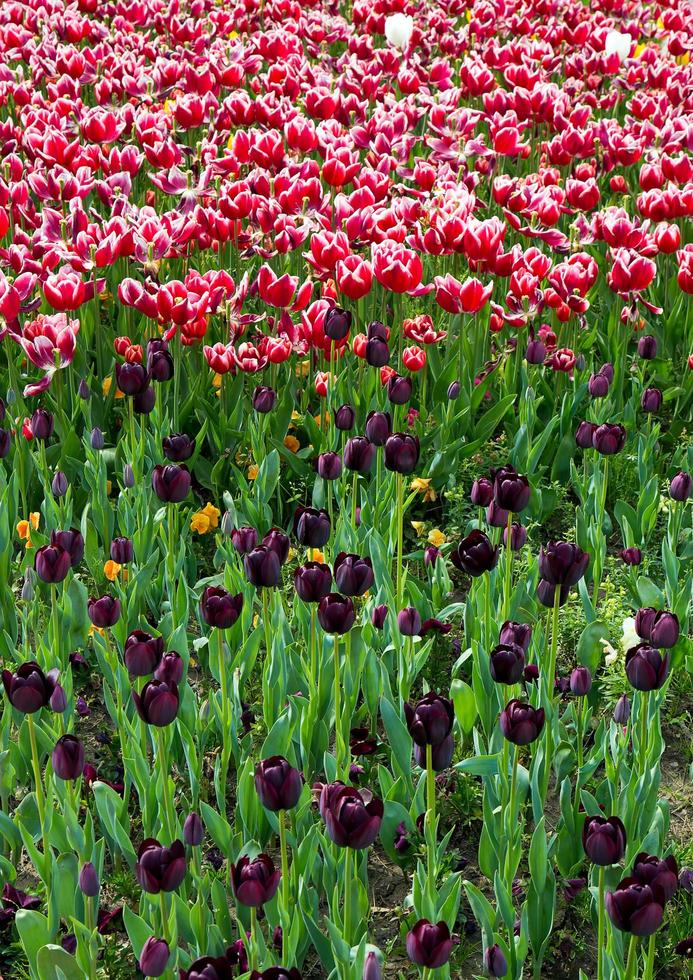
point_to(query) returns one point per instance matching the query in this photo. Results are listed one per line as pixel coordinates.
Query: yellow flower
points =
(639, 50)
(216, 381)
(24, 527)
(200, 523)
(109, 487)
(295, 416)
(436, 537)
(213, 513)
(112, 570)
(291, 555)
(317, 555)
(418, 527)
(35, 519)
(252, 471)
(96, 629)
(303, 369)
(292, 444)
(422, 485)
(107, 385)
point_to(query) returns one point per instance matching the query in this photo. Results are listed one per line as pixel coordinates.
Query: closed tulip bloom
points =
(378, 616)
(144, 401)
(453, 391)
(377, 352)
(429, 945)
(104, 612)
(131, 378)
(409, 621)
(519, 633)
(353, 574)
(211, 968)
(661, 875)
(622, 710)
(507, 663)
(263, 568)
(159, 361)
(59, 485)
(631, 556)
(647, 347)
(633, 908)
(352, 818)
(122, 551)
(96, 439)
(154, 957)
(337, 324)
(5, 442)
(264, 399)
(378, 427)
(521, 723)
(312, 526)
(171, 483)
(495, 962)
(546, 593)
(359, 454)
(680, 486)
(598, 385)
(158, 703)
(244, 539)
(278, 542)
(664, 631)
(580, 682)
(277, 783)
(441, 755)
(219, 608)
(371, 967)
(609, 438)
(73, 543)
(535, 352)
(88, 880)
(402, 453)
(142, 653)
(584, 435)
(510, 490)
(336, 613)
(170, 669)
(329, 466)
(254, 882)
(159, 868)
(58, 700)
(52, 563)
(430, 720)
(193, 830)
(312, 581)
(28, 689)
(344, 418)
(128, 477)
(178, 447)
(42, 425)
(651, 400)
(399, 390)
(475, 554)
(496, 516)
(604, 840)
(518, 537)
(644, 621)
(68, 758)
(562, 563)
(482, 492)
(646, 668)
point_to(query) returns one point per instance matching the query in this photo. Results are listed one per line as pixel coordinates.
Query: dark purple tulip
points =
(651, 400)
(402, 453)
(431, 555)
(278, 542)
(495, 962)
(329, 466)
(219, 608)
(158, 703)
(482, 492)
(371, 968)
(680, 486)
(353, 574)
(644, 621)
(507, 663)
(128, 477)
(254, 882)
(496, 516)
(28, 689)
(359, 454)
(170, 669)
(430, 720)
(336, 613)
(518, 537)
(376, 329)
(519, 633)
(378, 616)
(13, 900)
(344, 418)
(377, 352)
(73, 543)
(263, 568)
(429, 945)
(530, 674)
(441, 755)
(573, 887)
(562, 563)
(409, 621)
(159, 361)
(144, 401)
(608, 371)
(131, 378)
(42, 424)
(210, 968)
(68, 758)
(104, 612)
(631, 556)
(337, 324)
(598, 385)
(378, 427)
(510, 490)
(278, 784)
(244, 539)
(52, 563)
(312, 581)
(122, 551)
(580, 682)
(665, 630)
(193, 830)
(535, 352)
(661, 875)
(5, 442)
(154, 957)
(171, 483)
(609, 438)
(58, 700)
(521, 723)
(475, 554)
(276, 973)
(399, 390)
(312, 526)
(546, 593)
(685, 948)
(142, 653)
(59, 484)
(646, 668)
(352, 818)
(622, 710)
(647, 347)
(264, 399)
(159, 868)
(633, 908)
(584, 435)
(178, 447)
(96, 439)
(604, 840)
(88, 880)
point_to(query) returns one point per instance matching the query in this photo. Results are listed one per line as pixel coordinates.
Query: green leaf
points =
(465, 704)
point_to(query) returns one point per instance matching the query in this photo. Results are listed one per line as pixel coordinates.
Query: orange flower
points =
(112, 570)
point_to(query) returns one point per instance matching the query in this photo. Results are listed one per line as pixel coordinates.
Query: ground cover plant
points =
(346, 379)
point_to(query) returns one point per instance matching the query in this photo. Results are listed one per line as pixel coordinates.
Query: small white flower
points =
(630, 637)
(618, 43)
(611, 655)
(399, 29)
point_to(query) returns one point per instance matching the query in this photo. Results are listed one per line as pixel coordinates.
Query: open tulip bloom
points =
(345, 485)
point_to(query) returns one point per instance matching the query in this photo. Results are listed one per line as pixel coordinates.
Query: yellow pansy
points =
(418, 527)
(317, 555)
(112, 570)
(292, 444)
(436, 537)
(422, 485)
(252, 471)
(213, 513)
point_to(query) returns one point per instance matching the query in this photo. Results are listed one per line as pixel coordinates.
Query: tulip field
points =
(346, 521)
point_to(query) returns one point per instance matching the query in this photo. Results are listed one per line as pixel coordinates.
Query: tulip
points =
(88, 880)
(42, 425)
(359, 454)
(352, 818)
(337, 324)
(399, 29)
(631, 556)
(496, 516)
(518, 537)
(211, 968)
(521, 723)
(518, 633)
(154, 957)
(219, 608)
(244, 539)
(73, 543)
(399, 390)
(379, 616)
(618, 43)
(52, 563)
(104, 612)
(535, 352)
(401, 453)
(312, 581)
(159, 361)
(440, 755)
(430, 720)
(371, 967)
(604, 840)
(622, 710)
(680, 486)
(580, 681)
(28, 689)
(661, 875)
(598, 385)
(96, 439)
(122, 551)
(562, 563)
(312, 526)
(193, 830)
(646, 668)
(429, 945)
(59, 484)
(344, 418)
(495, 962)
(128, 477)
(453, 392)
(58, 700)
(68, 757)
(409, 621)
(254, 882)
(507, 663)
(278, 542)
(377, 352)
(262, 567)
(664, 631)
(584, 435)
(132, 379)
(177, 447)
(278, 784)
(5, 442)
(353, 575)
(546, 593)
(329, 466)
(264, 399)
(378, 427)
(651, 400)
(336, 613)
(609, 439)
(510, 490)
(170, 669)
(158, 703)
(482, 492)
(159, 868)
(171, 483)
(647, 347)
(633, 908)
(142, 653)
(475, 554)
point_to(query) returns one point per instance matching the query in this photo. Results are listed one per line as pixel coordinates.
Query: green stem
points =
(600, 926)
(313, 648)
(642, 749)
(649, 962)
(631, 965)
(354, 487)
(431, 814)
(337, 704)
(508, 565)
(347, 896)
(550, 680)
(169, 820)
(40, 800)
(400, 538)
(285, 883)
(253, 944)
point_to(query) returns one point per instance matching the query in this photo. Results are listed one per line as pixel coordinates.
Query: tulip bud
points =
(519, 633)
(651, 400)
(344, 418)
(518, 537)
(482, 492)
(622, 710)
(580, 681)
(83, 390)
(96, 439)
(42, 424)
(631, 556)
(454, 389)
(88, 880)
(409, 621)
(227, 524)
(377, 352)
(263, 567)
(371, 967)
(193, 830)
(122, 550)
(378, 427)
(154, 957)
(68, 758)
(128, 477)
(337, 324)
(598, 386)
(378, 616)
(495, 962)
(647, 347)
(28, 586)
(584, 435)
(535, 352)
(399, 390)
(264, 399)
(329, 466)
(402, 453)
(59, 484)
(58, 700)
(359, 454)
(680, 486)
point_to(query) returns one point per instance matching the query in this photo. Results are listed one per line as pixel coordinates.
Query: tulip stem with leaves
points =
(40, 802)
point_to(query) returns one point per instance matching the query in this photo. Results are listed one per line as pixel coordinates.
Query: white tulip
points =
(399, 29)
(630, 636)
(618, 43)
